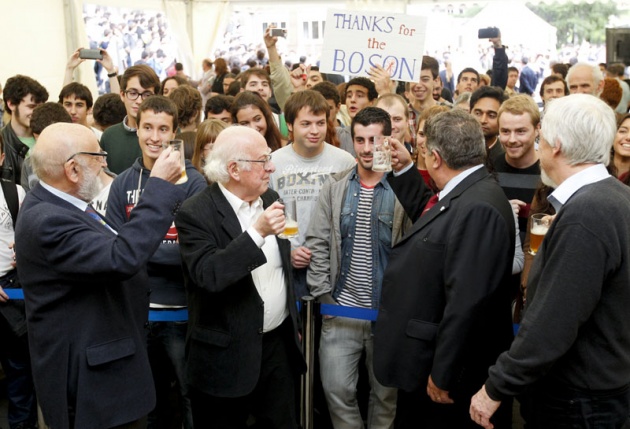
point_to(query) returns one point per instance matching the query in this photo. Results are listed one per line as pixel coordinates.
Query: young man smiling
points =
(360, 93)
(518, 169)
(157, 123)
(121, 141)
(21, 95)
(303, 166)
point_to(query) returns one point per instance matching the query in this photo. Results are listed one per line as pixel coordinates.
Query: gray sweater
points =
(576, 328)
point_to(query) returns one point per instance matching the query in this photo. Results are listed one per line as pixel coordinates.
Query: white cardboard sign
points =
(357, 40)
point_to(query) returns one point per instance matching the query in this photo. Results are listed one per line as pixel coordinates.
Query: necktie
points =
(432, 201)
(94, 215)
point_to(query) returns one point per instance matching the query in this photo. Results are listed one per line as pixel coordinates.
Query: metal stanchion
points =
(308, 348)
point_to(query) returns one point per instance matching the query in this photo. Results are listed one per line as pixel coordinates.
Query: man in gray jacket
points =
(356, 221)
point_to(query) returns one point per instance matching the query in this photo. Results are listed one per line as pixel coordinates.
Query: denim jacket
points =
(329, 235)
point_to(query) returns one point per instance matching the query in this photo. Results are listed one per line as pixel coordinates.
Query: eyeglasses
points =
(103, 154)
(265, 162)
(133, 94)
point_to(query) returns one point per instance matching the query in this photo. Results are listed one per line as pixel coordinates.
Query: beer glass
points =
(540, 226)
(290, 222)
(178, 145)
(382, 155)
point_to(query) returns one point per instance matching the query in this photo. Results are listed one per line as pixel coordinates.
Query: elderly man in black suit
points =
(445, 309)
(85, 303)
(243, 353)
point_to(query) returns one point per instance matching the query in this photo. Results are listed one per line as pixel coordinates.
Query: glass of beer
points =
(178, 145)
(290, 221)
(540, 226)
(381, 155)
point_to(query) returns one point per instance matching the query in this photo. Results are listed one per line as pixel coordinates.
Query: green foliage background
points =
(577, 22)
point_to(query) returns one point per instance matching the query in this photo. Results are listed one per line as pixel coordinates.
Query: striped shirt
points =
(357, 290)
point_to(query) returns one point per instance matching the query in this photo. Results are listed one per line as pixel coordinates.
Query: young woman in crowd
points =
(170, 83)
(621, 150)
(250, 110)
(206, 135)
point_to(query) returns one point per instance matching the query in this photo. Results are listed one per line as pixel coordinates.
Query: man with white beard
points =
(85, 284)
(571, 358)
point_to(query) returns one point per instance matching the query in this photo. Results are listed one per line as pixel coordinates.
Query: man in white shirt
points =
(242, 346)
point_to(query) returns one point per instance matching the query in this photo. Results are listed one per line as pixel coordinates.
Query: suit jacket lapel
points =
(284, 245)
(229, 222)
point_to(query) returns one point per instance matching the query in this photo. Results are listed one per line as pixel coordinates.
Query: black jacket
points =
(15, 152)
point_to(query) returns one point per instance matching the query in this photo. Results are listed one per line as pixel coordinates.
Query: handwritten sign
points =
(355, 41)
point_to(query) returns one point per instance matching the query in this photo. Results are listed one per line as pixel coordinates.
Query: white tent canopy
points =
(521, 27)
(40, 35)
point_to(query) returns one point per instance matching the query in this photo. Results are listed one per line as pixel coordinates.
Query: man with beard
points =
(584, 78)
(84, 283)
(356, 222)
(571, 358)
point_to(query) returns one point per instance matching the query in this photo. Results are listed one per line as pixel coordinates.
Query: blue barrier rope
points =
(14, 293)
(350, 312)
(179, 315)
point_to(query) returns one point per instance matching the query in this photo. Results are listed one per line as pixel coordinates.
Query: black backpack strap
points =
(9, 189)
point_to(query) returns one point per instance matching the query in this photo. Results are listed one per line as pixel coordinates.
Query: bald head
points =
(56, 144)
(231, 144)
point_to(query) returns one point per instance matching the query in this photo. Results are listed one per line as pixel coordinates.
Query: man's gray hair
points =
(457, 137)
(230, 145)
(597, 74)
(584, 126)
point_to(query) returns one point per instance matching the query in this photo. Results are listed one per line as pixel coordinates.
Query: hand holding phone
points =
(91, 54)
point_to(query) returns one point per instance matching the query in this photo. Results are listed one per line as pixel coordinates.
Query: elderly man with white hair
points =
(571, 357)
(243, 353)
(585, 78)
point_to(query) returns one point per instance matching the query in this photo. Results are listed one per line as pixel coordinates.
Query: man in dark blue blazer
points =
(83, 284)
(445, 309)
(243, 353)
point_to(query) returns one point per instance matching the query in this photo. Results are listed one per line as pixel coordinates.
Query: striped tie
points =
(94, 215)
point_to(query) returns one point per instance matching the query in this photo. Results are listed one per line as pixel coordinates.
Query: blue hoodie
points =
(166, 280)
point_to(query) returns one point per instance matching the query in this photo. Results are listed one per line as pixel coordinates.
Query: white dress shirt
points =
(268, 278)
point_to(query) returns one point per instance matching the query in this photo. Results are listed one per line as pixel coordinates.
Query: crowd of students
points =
(319, 135)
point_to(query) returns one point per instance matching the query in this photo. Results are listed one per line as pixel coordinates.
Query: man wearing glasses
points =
(243, 353)
(121, 141)
(84, 283)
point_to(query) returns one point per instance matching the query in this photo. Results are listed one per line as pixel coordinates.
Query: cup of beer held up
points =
(290, 221)
(382, 155)
(540, 226)
(178, 145)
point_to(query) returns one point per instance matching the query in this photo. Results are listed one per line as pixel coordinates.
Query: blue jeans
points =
(551, 405)
(166, 343)
(341, 346)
